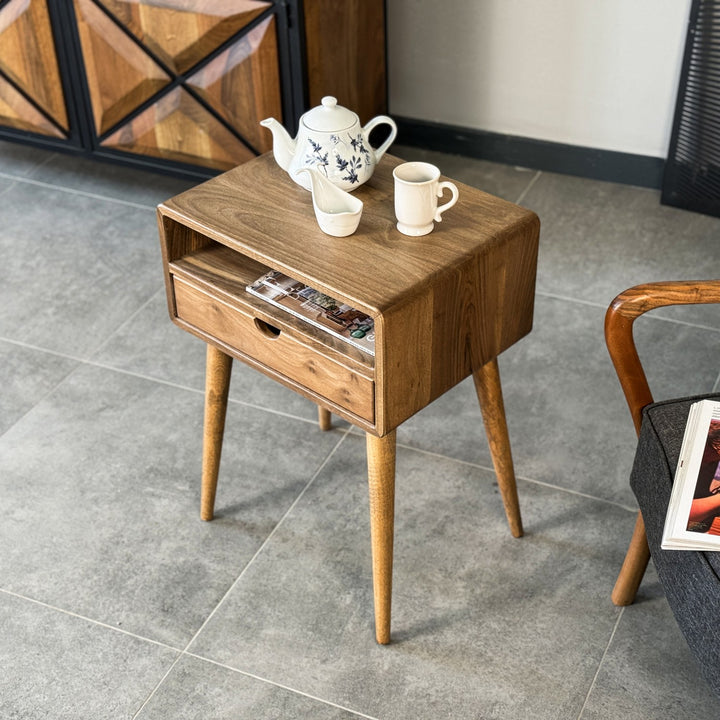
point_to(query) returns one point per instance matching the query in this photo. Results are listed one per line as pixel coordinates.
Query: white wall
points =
(595, 73)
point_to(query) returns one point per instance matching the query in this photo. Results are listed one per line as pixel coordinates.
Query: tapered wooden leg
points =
(634, 566)
(324, 418)
(217, 383)
(489, 391)
(381, 481)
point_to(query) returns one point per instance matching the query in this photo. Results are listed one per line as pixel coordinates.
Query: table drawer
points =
(298, 359)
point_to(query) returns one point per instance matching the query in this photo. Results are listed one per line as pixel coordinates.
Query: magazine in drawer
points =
(276, 344)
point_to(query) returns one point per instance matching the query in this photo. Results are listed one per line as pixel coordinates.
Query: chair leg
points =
(381, 482)
(217, 384)
(489, 391)
(634, 566)
(324, 418)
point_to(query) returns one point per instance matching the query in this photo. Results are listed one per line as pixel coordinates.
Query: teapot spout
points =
(283, 144)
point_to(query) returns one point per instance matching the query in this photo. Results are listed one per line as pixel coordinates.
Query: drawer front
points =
(281, 352)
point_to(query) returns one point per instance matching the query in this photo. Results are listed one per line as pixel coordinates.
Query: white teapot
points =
(331, 140)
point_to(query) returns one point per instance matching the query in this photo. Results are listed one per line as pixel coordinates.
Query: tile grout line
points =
(295, 502)
(600, 664)
(280, 685)
(125, 323)
(290, 416)
(570, 491)
(149, 378)
(75, 191)
(577, 301)
(532, 182)
(198, 391)
(38, 348)
(49, 157)
(518, 477)
(242, 572)
(121, 631)
(593, 303)
(12, 184)
(181, 652)
(40, 400)
(86, 619)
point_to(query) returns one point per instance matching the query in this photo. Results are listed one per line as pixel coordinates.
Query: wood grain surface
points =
(182, 33)
(381, 487)
(226, 274)
(308, 365)
(177, 127)
(28, 57)
(242, 83)
(120, 75)
(345, 44)
(256, 210)
(217, 385)
(444, 304)
(17, 111)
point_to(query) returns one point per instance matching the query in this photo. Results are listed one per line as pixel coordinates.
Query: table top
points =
(259, 211)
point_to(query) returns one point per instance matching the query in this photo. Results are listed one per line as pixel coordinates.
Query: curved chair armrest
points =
(621, 314)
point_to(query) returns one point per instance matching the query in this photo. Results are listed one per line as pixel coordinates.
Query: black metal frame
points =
(83, 139)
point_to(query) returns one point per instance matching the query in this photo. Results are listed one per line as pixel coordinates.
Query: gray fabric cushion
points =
(690, 579)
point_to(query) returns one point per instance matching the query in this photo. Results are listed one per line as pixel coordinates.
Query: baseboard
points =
(627, 168)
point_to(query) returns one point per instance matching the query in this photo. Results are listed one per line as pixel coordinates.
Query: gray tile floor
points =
(116, 601)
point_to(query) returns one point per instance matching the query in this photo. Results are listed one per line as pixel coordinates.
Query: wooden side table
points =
(444, 305)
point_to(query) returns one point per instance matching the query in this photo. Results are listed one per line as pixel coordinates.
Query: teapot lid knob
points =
(328, 117)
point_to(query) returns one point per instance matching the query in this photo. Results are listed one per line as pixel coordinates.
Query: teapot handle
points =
(379, 120)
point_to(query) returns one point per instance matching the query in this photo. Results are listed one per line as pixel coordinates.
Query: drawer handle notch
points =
(268, 330)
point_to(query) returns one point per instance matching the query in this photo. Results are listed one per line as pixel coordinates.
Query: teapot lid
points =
(329, 117)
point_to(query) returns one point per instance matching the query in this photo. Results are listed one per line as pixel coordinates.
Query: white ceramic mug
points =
(417, 189)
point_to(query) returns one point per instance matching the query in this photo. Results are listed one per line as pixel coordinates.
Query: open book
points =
(351, 325)
(691, 522)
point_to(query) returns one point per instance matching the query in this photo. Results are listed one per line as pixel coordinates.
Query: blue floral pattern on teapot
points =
(331, 140)
(350, 167)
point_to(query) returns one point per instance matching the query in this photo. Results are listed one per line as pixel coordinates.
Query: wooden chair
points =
(621, 314)
(690, 579)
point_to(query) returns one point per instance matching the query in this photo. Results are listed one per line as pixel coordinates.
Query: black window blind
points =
(692, 171)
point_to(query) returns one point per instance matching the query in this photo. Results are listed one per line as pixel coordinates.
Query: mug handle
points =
(381, 120)
(453, 189)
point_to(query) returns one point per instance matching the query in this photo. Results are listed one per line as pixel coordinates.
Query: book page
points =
(695, 499)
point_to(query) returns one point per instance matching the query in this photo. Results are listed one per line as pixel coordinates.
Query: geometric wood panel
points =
(28, 59)
(179, 128)
(135, 52)
(17, 112)
(91, 73)
(183, 32)
(120, 76)
(243, 83)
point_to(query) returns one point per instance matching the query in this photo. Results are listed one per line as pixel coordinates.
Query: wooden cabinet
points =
(182, 84)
